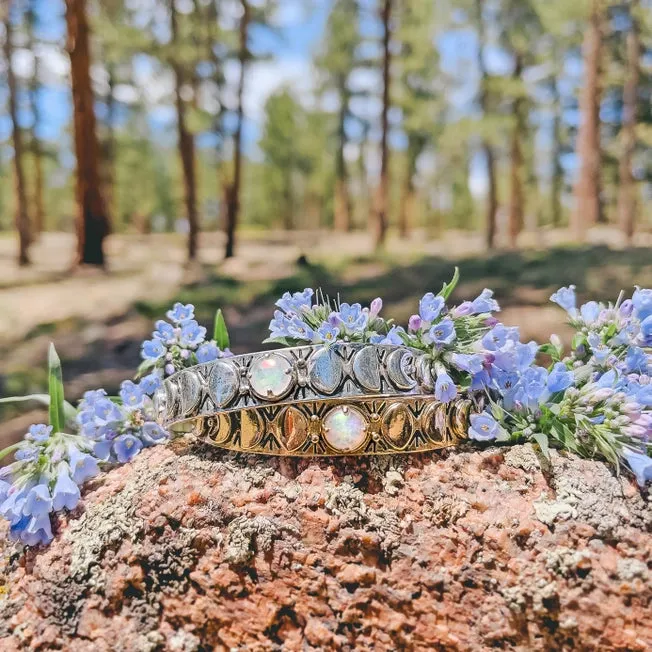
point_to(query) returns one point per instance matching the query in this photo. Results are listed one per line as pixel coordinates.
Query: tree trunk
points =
(516, 202)
(92, 218)
(408, 199)
(587, 210)
(492, 191)
(22, 210)
(342, 221)
(234, 189)
(35, 143)
(109, 145)
(186, 144)
(382, 199)
(557, 176)
(627, 187)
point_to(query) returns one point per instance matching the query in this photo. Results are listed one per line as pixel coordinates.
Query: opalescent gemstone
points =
(345, 428)
(270, 376)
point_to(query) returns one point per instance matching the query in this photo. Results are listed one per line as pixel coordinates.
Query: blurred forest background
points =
(223, 151)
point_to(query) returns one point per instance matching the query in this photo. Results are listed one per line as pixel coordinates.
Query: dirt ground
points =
(98, 319)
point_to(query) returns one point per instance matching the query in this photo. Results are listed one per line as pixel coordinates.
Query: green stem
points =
(10, 449)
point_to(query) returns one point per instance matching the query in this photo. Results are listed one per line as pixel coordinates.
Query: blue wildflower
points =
(392, 337)
(82, 465)
(352, 317)
(297, 302)
(153, 434)
(442, 333)
(132, 395)
(279, 325)
(39, 432)
(465, 308)
(327, 332)
(66, 492)
(37, 531)
(150, 383)
(181, 313)
(560, 378)
(599, 349)
(38, 501)
(126, 447)
(207, 352)
(485, 302)
(642, 300)
(469, 362)
(164, 332)
(640, 464)
(299, 330)
(430, 307)
(636, 360)
(153, 350)
(445, 388)
(192, 334)
(646, 331)
(483, 427)
(590, 312)
(565, 297)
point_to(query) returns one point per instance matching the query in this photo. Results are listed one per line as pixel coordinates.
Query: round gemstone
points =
(345, 429)
(270, 376)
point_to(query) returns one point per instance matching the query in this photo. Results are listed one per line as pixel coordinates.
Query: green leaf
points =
(44, 399)
(542, 439)
(448, 288)
(578, 338)
(55, 390)
(220, 332)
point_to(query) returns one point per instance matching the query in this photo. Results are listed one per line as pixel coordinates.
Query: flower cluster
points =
(177, 343)
(119, 430)
(596, 401)
(301, 319)
(45, 477)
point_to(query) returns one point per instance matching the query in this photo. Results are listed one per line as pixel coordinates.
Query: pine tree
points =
(22, 209)
(382, 198)
(587, 211)
(92, 218)
(627, 185)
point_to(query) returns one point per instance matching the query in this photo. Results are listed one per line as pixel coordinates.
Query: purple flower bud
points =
(626, 308)
(490, 322)
(465, 308)
(375, 307)
(169, 369)
(414, 324)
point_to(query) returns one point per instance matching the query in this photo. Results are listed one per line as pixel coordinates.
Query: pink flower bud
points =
(414, 324)
(375, 307)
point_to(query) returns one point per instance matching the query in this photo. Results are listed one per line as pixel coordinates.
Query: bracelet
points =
(340, 399)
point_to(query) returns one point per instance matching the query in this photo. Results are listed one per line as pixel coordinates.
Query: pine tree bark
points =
(234, 189)
(627, 186)
(22, 210)
(588, 207)
(516, 201)
(186, 143)
(92, 218)
(35, 142)
(342, 212)
(490, 158)
(382, 199)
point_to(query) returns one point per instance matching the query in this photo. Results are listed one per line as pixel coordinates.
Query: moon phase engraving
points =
(399, 363)
(223, 383)
(366, 368)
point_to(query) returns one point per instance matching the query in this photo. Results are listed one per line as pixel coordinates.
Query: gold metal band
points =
(326, 427)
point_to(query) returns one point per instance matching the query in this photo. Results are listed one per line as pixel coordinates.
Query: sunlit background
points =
(224, 151)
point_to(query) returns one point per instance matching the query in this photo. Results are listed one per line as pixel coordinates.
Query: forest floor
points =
(98, 319)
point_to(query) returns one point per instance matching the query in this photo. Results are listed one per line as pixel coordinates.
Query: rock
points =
(191, 548)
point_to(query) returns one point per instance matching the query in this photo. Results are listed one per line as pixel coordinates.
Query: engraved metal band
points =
(293, 375)
(357, 426)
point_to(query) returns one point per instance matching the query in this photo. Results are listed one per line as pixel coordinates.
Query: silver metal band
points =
(293, 375)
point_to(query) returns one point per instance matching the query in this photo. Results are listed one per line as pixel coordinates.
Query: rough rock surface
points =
(190, 548)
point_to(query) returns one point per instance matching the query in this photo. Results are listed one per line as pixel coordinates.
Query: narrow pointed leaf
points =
(55, 390)
(43, 399)
(220, 332)
(448, 288)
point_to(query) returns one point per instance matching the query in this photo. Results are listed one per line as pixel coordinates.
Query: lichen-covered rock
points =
(191, 548)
